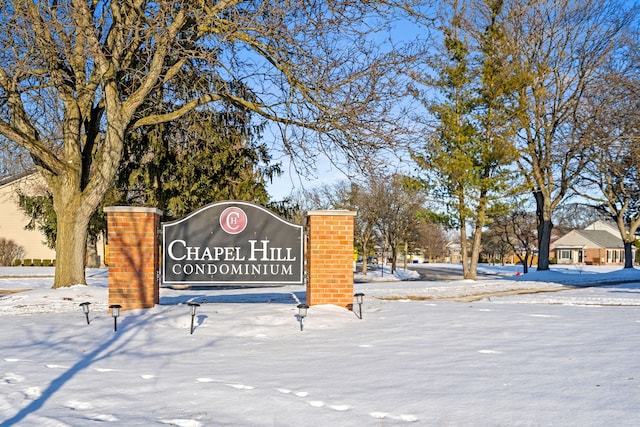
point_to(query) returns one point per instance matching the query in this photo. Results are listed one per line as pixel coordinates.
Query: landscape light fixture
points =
(359, 298)
(85, 309)
(115, 312)
(302, 313)
(194, 306)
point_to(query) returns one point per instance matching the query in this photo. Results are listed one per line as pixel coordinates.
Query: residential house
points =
(598, 244)
(13, 220)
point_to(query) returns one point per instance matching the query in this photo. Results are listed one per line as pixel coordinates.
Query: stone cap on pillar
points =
(140, 209)
(339, 212)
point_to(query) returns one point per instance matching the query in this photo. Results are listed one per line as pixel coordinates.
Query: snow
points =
(545, 348)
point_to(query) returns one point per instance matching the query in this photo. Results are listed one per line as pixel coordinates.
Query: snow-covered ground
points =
(547, 348)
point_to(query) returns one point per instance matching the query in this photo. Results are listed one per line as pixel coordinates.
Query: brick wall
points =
(133, 257)
(329, 257)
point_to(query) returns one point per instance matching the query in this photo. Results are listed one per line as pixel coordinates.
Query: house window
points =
(615, 255)
(565, 254)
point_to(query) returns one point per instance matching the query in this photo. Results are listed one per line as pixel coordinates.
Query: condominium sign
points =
(232, 243)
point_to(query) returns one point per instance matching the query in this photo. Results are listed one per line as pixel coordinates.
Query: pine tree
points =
(470, 153)
(201, 158)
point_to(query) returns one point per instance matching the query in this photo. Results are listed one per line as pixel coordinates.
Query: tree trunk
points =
(74, 201)
(394, 256)
(463, 250)
(628, 255)
(544, 242)
(472, 274)
(545, 225)
(93, 261)
(525, 262)
(406, 249)
(364, 257)
(71, 247)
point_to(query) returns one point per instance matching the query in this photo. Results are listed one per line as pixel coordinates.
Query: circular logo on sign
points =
(233, 220)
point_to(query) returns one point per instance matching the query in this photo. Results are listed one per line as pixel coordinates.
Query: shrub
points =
(47, 263)
(17, 262)
(27, 262)
(37, 262)
(9, 251)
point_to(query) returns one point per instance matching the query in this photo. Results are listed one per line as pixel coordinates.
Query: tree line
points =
(164, 104)
(532, 98)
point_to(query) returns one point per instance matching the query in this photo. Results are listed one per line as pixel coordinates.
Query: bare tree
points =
(76, 79)
(431, 239)
(398, 204)
(557, 48)
(570, 216)
(611, 179)
(366, 204)
(517, 229)
(10, 251)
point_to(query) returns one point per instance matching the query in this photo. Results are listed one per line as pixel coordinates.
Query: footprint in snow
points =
(33, 393)
(321, 404)
(78, 405)
(384, 415)
(297, 393)
(147, 377)
(51, 366)
(489, 352)
(314, 403)
(105, 369)
(11, 378)
(102, 417)
(182, 422)
(240, 386)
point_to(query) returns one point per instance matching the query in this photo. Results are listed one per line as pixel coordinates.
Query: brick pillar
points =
(134, 256)
(329, 256)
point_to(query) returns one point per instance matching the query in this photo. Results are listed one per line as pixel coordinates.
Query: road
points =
(440, 271)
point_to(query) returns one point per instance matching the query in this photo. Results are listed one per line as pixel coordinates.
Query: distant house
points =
(13, 220)
(598, 244)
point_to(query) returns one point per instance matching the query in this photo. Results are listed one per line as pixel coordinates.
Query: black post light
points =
(115, 312)
(194, 306)
(302, 313)
(359, 298)
(85, 309)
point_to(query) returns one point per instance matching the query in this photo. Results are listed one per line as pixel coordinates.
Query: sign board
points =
(232, 242)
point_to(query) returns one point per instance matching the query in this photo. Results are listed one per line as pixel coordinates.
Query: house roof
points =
(582, 238)
(15, 177)
(603, 238)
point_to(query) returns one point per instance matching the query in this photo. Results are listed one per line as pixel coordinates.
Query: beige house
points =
(13, 220)
(598, 244)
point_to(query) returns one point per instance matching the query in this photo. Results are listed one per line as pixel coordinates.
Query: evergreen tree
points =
(201, 158)
(471, 152)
